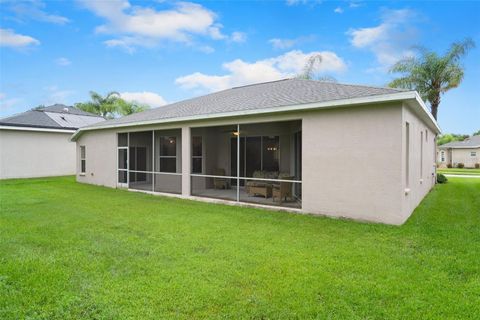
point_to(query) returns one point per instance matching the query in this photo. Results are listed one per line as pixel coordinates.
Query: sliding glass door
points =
(256, 154)
(253, 155)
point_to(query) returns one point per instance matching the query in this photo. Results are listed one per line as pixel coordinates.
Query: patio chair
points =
(282, 190)
(258, 187)
(220, 183)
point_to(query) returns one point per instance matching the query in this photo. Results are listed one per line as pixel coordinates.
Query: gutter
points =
(400, 96)
(460, 147)
(38, 129)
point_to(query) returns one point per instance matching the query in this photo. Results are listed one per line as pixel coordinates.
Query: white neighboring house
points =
(36, 143)
(466, 152)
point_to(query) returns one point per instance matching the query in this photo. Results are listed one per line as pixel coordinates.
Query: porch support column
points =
(186, 162)
(238, 162)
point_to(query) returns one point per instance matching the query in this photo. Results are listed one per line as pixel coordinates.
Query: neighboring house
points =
(466, 152)
(37, 143)
(315, 147)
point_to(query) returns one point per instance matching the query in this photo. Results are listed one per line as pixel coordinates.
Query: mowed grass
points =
(75, 251)
(472, 172)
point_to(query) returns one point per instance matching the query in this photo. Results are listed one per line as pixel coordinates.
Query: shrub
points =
(460, 165)
(449, 165)
(477, 165)
(441, 178)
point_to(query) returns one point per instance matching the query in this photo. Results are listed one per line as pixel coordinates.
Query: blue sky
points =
(158, 52)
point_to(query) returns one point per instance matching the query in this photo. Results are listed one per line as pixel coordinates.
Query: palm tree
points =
(125, 107)
(106, 106)
(430, 74)
(310, 69)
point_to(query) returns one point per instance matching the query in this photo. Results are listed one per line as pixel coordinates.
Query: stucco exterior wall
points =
(421, 162)
(353, 160)
(101, 158)
(442, 162)
(28, 154)
(465, 156)
(351, 163)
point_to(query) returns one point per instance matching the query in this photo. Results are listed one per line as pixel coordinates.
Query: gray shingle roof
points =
(257, 96)
(55, 116)
(472, 142)
(71, 110)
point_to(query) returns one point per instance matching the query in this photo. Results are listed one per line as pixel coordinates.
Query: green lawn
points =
(75, 251)
(473, 172)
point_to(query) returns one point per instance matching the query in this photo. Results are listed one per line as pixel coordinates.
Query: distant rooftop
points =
(472, 142)
(57, 116)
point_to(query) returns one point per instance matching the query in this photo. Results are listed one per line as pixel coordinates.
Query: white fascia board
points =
(460, 147)
(406, 95)
(36, 129)
(426, 111)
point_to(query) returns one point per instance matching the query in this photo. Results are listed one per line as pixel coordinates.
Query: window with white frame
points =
(168, 154)
(473, 153)
(197, 154)
(83, 160)
(442, 155)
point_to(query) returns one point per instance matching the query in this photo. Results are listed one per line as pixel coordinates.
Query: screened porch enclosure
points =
(150, 160)
(256, 163)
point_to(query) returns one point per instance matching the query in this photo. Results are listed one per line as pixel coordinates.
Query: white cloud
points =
(338, 10)
(149, 98)
(7, 103)
(298, 2)
(135, 26)
(206, 49)
(56, 95)
(354, 4)
(8, 38)
(390, 40)
(278, 43)
(34, 10)
(240, 72)
(63, 62)
(238, 36)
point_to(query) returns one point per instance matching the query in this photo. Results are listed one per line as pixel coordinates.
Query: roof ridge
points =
(354, 85)
(256, 84)
(87, 114)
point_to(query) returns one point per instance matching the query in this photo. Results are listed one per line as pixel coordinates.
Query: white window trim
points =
(84, 158)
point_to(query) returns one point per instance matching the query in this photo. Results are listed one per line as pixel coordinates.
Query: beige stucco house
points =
(314, 147)
(36, 143)
(466, 152)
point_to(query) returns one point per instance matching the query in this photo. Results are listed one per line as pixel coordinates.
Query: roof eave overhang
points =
(37, 129)
(400, 96)
(458, 147)
(422, 111)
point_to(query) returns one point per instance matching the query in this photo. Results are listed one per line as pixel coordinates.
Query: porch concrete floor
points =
(231, 194)
(224, 194)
